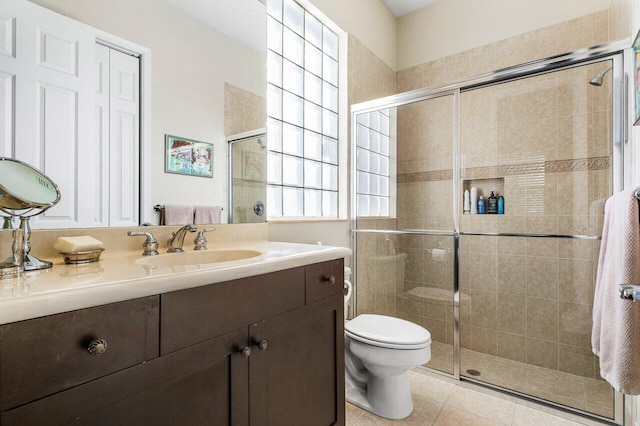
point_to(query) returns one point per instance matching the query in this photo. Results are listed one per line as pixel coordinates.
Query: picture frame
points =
(636, 80)
(253, 166)
(188, 157)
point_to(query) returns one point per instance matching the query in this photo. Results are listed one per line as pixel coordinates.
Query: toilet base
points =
(388, 397)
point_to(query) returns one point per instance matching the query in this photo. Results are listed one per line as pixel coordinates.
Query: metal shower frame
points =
(619, 52)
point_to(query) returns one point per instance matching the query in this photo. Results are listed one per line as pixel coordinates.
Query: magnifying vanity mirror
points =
(24, 192)
(109, 72)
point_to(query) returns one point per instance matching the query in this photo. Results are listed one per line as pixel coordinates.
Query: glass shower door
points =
(404, 233)
(544, 144)
(247, 179)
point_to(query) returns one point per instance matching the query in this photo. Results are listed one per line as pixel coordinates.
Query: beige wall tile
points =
(511, 279)
(542, 277)
(542, 319)
(575, 280)
(512, 346)
(484, 340)
(484, 309)
(542, 353)
(575, 325)
(576, 360)
(512, 315)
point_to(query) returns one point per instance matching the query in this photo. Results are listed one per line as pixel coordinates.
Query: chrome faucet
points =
(174, 245)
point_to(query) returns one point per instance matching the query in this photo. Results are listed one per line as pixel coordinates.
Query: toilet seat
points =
(387, 332)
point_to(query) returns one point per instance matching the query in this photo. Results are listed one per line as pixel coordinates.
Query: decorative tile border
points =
(556, 166)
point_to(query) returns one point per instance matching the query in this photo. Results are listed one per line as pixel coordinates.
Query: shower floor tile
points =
(441, 401)
(595, 396)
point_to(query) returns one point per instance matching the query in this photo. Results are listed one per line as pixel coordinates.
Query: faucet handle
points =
(150, 245)
(200, 243)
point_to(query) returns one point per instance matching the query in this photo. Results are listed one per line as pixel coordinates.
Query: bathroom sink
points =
(197, 257)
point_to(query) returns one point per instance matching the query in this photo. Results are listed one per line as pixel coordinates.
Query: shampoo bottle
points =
(482, 206)
(501, 205)
(467, 204)
(492, 204)
(474, 200)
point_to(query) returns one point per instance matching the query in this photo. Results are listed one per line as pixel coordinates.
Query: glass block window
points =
(373, 153)
(302, 108)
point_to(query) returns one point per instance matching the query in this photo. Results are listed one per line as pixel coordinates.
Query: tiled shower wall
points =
(545, 140)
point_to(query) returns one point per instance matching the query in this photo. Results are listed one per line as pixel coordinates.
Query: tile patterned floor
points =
(585, 394)
(441, 401)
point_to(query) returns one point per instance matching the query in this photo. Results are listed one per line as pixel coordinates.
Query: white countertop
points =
(122, 277)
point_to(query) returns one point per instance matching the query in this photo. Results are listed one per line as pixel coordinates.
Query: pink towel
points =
(615, 336)
(208, 214)
(178, 215)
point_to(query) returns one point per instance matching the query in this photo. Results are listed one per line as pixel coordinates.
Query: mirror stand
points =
(14, 265)
(21, 248)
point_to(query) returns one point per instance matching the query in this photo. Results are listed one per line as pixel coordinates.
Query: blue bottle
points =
(501, 205)
(482, 205)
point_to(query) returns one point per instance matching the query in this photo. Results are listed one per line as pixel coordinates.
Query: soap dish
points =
(78, 257)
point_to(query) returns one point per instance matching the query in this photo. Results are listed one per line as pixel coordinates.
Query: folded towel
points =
(615, 336)
(208, 214)
(178, 215)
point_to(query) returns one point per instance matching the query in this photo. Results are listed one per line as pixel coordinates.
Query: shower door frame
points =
(231, 140)
(621, 55)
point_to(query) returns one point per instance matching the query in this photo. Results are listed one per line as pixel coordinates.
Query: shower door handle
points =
(630, 292)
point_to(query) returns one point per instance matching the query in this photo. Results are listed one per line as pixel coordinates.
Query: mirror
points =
(22, 187)
(208, 82)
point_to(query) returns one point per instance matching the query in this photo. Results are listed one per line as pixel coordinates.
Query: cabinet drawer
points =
(206, 384)
(324, 279)
(45, 355)
(198, 314)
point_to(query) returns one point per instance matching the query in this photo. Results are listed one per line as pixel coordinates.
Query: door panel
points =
(124, 140)
(301, 344)
(52, 59)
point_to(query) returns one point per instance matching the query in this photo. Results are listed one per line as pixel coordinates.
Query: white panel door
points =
(49, 60)
(124, 140)
(101, 135)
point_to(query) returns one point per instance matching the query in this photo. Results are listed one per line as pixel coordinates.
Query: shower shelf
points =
(485, 186)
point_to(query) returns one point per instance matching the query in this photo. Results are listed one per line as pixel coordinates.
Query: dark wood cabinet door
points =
(206, 384)
(298, 379)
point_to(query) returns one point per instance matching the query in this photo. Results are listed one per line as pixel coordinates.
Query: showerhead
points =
(598, 79)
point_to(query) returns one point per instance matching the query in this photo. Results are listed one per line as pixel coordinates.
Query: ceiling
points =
(402, 7)
(244, 19)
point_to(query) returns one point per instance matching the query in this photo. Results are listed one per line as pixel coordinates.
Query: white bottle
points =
(467, 203)
(474, 200)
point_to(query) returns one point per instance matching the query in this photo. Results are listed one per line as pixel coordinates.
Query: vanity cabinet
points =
(262, 350)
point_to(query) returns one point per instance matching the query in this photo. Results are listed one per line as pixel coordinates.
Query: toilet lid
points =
(387, 331)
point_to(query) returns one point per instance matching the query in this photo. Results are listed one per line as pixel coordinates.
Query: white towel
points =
(208, 214)
(615, 336)
(178, 215)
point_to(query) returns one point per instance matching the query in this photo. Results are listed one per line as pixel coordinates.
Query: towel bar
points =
(630, 292)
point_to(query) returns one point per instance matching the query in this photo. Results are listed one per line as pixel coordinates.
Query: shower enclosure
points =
(247, 177)
(507, 297)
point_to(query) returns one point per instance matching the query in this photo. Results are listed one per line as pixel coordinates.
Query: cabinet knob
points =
(245, 352)
(261, 344)
(330, 279)
(97, 347)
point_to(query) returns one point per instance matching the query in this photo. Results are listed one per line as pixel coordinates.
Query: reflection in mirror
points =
(247, 177)
(201, 72)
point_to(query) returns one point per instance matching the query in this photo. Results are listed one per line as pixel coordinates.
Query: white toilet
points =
(379, 350)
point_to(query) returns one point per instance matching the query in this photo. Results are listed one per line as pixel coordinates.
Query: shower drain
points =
(472, 372)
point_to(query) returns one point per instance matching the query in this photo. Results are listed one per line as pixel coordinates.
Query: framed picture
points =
(188, 157)
(636, 85)
(253, 166)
